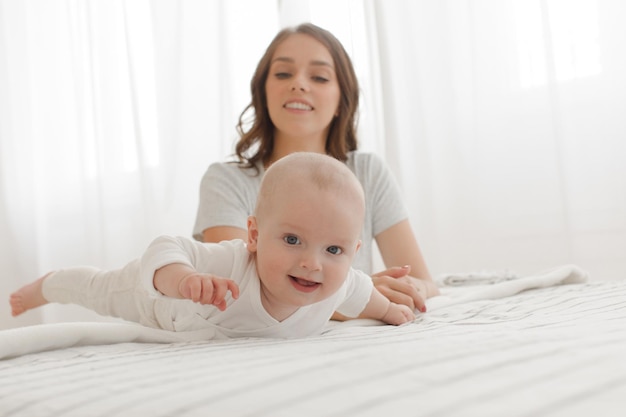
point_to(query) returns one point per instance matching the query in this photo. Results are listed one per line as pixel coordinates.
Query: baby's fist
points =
(207, 289)
(398, 314)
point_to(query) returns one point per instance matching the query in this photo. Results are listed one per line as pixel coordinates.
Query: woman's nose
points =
(299, 84)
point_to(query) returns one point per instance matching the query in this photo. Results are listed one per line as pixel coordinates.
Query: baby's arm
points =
(380, 308)
(181, 281)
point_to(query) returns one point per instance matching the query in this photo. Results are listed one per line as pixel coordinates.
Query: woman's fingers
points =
(404, 290)
(394, 272)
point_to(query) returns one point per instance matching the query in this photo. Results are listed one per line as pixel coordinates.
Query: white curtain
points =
(110, 112)
(502, 119)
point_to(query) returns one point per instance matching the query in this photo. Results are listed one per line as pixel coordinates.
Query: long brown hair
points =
(257, 143)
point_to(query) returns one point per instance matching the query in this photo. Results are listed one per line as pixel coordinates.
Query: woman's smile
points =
(298, 105)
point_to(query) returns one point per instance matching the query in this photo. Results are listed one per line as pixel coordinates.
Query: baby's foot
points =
(28, 297)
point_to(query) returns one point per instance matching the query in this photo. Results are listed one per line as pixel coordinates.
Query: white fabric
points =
(475, 278)
(228, 196)
(503, 122)
(109, 114)
(550, 352)
(566, 274)
(128, 293)
(17, 342)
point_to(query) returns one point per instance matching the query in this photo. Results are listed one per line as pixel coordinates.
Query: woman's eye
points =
(335, 250)
(291, 240)
(320, 79)
(282, 75)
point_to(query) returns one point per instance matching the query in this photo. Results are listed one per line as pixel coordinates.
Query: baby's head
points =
(306, 227)
(311, 173)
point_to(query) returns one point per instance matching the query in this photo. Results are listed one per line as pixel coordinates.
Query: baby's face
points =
(305, 243)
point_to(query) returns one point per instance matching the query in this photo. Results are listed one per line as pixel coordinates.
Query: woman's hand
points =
(399, 287)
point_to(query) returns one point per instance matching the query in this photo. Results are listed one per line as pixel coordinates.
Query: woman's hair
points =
(257, 143)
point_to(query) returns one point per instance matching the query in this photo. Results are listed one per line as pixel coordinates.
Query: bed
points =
(550, 344)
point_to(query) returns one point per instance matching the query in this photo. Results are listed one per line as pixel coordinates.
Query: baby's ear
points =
(253, 234)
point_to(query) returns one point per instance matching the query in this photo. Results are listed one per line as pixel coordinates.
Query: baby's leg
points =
(28, 297)
(109, 293)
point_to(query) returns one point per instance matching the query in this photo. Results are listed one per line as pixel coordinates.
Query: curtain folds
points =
(506, 119)
(502, 120)
(110, 114)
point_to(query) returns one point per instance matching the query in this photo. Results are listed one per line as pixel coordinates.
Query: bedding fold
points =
(44, 337)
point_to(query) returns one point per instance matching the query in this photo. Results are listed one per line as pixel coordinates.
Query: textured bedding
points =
(546, 345)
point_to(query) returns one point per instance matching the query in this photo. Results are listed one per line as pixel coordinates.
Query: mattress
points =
(539, 348)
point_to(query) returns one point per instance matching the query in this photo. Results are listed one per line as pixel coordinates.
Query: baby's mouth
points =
(303, 284)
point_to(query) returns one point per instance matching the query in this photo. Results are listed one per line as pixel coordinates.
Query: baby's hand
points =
(207, 289)
(398, 314)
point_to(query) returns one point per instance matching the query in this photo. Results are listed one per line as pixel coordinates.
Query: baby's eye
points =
(335, 250)
(291, 240)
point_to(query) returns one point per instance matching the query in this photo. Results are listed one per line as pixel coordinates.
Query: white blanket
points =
(25, 340)
(556, 351)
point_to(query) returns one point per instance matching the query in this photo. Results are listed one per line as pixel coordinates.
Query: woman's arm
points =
(219, 233)
(398, 246)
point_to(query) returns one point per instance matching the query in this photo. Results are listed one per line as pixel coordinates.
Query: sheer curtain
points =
(502, 120)
(504, 123)
(109, 114)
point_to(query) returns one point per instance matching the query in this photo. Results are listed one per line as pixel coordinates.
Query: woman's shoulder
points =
(365, 163)
(231, 168)
(232, 171)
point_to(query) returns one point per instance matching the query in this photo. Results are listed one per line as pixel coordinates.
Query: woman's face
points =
(302, 90)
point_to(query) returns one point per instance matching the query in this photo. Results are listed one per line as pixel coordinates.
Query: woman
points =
(304, 98)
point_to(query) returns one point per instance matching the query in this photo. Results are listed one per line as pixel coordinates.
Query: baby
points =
(286, 281)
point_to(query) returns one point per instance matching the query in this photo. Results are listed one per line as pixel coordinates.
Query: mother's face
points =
(302, 89)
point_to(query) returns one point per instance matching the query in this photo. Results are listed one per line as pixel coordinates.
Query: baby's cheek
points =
(270, 266)
(339, 276)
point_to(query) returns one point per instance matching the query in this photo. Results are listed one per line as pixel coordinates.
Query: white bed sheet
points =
(553, 351)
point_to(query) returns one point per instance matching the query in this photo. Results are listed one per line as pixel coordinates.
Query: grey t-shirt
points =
(228, 196)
